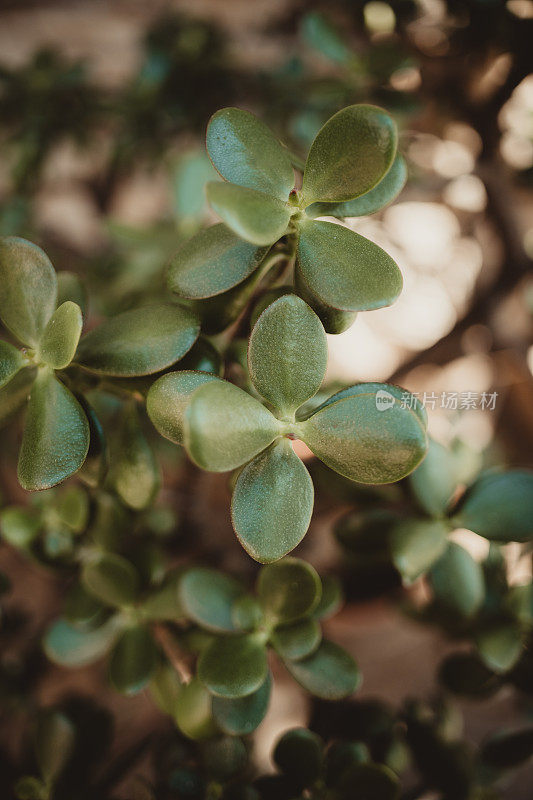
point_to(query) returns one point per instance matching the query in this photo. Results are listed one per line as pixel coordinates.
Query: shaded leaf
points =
(331, 598)
(233, 666)
(70, 287)
(168, 398)
(112, 579)
(507, 750)
(272, 503)
(73, 508)
(499, 506)
(133, 660)
(254, 216)
(69, 646)
(330, 672)
(242, 715)
(289, 589)
(416, 544)
(165, 687)
(207, 598)
(15, 393)
(11, 360)
(54, 742)
(465, 674)
(297, 640)
(134, 470)
(500, 646)
(299, 755)
(373, 782)
(203, 357)
(457, 581)
(193, 711)
(435, 480)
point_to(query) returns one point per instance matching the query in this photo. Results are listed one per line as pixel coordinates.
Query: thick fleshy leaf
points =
(499, 506)
(254, 216)
(377, 198)
(287, 353)
(331, 598)
(193, 711)
(330, 672)
(508, 749)
(299, 755)
(11, 360)
(333, 320)
(15, 393)
(207, 598)
(133, 660)
(56, 435)
(225, 427)
(373, 782)
(112, 579)
(19, 526)
(168, 398)
(54, 741)
(224, 757)
(272, 503)
(500, 646)
(233, 666)
(165, 687)
(289, 590)
(416, 544)
(246, 613)
(203, 357)
(242, 715)
(61, 336)
(344, 269)
(70, 646)
(164, 602)
(435, 481)
(73, 508)
(244, 151)
(82, 609)
(28, 289)
(134, 470)
(457, 581)
(297, 640)
(212, 262)
(351, 153)
(367, 433)
(139, 342)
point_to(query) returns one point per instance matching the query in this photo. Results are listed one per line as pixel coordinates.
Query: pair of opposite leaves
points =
(57, 428)
(352, 169)
(225, 428)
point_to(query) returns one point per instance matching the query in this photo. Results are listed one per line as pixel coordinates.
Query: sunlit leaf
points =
(61, 335)
(254, 216)
(168, 398)
(165, 687)
(193, 711)
(19, 526)
(500, 646)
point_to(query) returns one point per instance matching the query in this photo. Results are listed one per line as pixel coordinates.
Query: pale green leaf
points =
(61, 336)
(168, 398)
(11, 360)
(193, 711)
(435, 480)
(254, 216)
(416, 544)
(70, 646)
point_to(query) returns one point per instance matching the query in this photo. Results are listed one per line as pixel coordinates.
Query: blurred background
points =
(103, 108)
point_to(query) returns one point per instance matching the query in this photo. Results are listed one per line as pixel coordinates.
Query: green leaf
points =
(509, 749)
(134, 470)
(82, 609)
(499, 506)
(320, 34)
(71, 647)
(365, 434)
(434, 481)
(54, 742)
(457, 581)
(139, 342)
(244, 151)
(203, 357)
(133, 660)
(61, 335)
(233, 666)
(19, 526)
(289, 590)
(344, 269)
(28, 289)
(373, 782)
(351, 153)
(287, 353)
(29, 788)
(212, 262)
(223, 758)
(254, 216)
(297, 640)
(299, 755)
(331, 598)
(500, 646)
(330, 672)
(168, 398)
(112, 579)
(272, 503)
(15, 393)
(217, 313)
(11, 360)
(165, 687)
(207, 598)
(70, 287)
(193, 712)
(416, 544)
(376, 199)
(56, 435)
(246, 613)
(465, 674)
(73, 508)
(333, 320)
(164, 602)
(242, 715)
(266, 298)
(225, 427)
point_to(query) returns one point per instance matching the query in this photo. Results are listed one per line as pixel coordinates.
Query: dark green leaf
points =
(244, 151)
(225, 427)
(373, 782)
(289, 590)
(435, 481)
(272, 503)
(500, 646)
(28, 289)
(299, 755)
(61, 336)
(499, 506)
(82, 609)
(212, 262)
(377, 198)
(139, 342)
(331, 598)
(287, 353)
(344, 269)
(133, 660)
(112, 579)
(333, 320)
(134, 470)
(241, 716)
(19, 526)
(297, 640)
(203, 357)
(54, 741)
(246, 613)
(254, 216)
(351, 153)
(56, 435)
(457, 581)
(233, 666)
(330, 672)
(416, 544)
(193, 711)
(168, 398)
(71, 647)
(366, 434)
(11, 360)
(207, 598)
